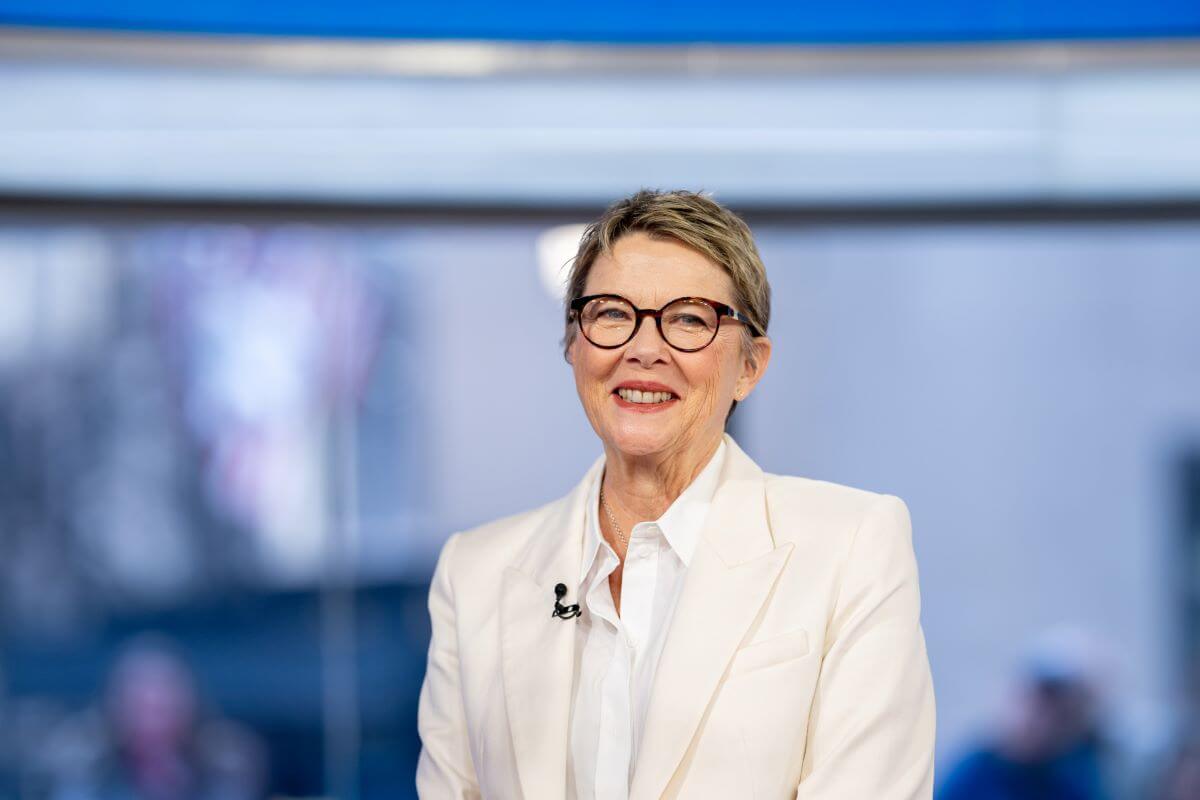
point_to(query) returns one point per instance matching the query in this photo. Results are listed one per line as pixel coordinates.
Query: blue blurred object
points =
(633, 22)
(987, 775)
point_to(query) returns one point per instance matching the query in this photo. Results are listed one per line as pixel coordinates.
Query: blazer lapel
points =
(538, 650)
(730, 577)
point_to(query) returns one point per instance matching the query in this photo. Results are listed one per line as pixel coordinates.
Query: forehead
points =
(651, 272)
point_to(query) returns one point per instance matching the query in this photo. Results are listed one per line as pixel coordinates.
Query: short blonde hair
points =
(694, 220)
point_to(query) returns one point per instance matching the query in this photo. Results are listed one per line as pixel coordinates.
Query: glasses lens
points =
(689, 324)
(607, 321)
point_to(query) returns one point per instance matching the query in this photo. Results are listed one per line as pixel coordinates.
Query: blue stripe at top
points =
(623, 21)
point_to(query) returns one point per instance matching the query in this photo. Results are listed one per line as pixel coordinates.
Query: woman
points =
(681, 624)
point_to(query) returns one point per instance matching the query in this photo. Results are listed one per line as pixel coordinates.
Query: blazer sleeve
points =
(871, 724)
(444, 769)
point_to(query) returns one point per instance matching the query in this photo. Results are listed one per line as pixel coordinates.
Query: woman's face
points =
(702, 385)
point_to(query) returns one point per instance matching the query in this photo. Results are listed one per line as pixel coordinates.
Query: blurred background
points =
(247, 257)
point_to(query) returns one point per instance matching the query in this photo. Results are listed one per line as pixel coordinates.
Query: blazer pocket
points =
(777, 649)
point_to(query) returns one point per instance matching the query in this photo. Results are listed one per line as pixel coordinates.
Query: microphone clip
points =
(561, 611)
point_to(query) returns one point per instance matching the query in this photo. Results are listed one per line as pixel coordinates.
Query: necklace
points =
(613, 520)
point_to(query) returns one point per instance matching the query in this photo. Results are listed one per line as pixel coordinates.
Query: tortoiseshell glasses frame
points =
(721, 311)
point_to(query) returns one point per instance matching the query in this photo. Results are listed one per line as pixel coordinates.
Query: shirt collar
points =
(680, 524)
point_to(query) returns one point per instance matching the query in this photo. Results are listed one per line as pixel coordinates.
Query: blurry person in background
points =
(681, 624)
(150, 740)
(1050, 745)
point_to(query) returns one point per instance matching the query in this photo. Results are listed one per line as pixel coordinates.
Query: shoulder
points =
(493, 545)
(500, 535)
(789, 495)
(813, 512)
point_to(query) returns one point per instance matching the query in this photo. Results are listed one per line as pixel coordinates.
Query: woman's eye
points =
(613, 314)
(687, 320)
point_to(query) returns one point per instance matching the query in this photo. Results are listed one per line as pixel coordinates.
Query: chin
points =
(641, 439)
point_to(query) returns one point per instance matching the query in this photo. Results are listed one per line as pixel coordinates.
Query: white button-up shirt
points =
(616, 656)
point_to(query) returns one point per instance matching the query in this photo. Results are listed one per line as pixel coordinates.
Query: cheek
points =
(710, 384)
(591, 369)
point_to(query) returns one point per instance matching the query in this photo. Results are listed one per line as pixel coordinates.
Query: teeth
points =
(637, 396)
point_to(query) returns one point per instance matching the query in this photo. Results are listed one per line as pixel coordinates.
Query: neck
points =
(644, 487)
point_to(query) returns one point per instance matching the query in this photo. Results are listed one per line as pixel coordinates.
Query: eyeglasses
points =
(687, 324)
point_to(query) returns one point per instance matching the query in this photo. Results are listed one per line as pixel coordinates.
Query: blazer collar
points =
(560, 536)
(736, 525)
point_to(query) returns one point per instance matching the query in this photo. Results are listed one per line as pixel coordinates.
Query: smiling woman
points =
(681, 624)
(705, 366)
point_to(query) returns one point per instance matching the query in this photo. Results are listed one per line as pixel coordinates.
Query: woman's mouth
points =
(638, 401)
(640, 397)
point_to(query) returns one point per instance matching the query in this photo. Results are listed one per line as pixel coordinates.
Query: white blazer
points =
(794, 667)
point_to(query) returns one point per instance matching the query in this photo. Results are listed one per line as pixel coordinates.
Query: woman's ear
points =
(754, 365)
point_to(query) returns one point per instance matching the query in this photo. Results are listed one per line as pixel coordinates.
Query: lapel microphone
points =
(561, 611)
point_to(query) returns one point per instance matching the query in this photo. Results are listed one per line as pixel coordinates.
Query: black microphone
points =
(561, 611)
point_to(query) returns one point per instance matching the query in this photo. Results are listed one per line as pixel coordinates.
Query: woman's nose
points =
(647, 346)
